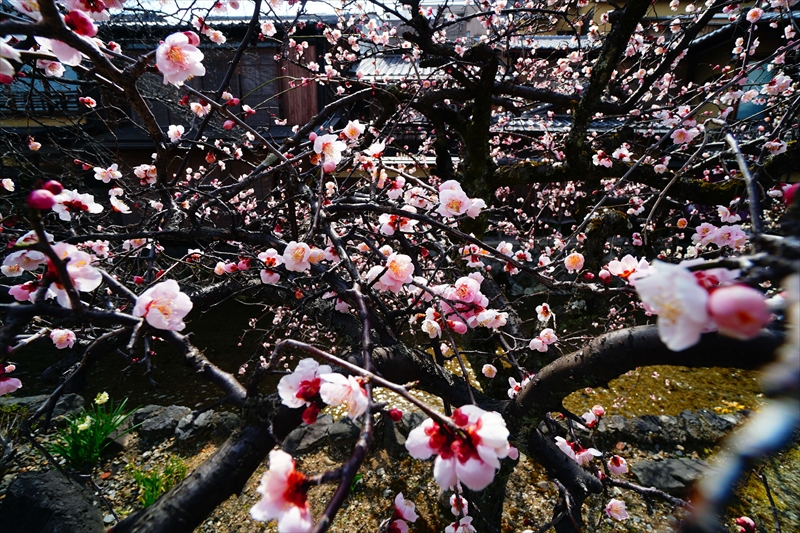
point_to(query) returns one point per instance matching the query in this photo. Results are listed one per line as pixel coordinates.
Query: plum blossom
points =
(284, 496)
(775, 147)
(175, 133)
(683, 136)
(404, 509)
(353, 130)
(70, 201)
(515, 387)
(674, 294)
(617, 465)
(7, 70)
(453, 202)
(301, 388)
(24, 260)
(616, 510)
(330, 148)
(574, 262)
(601, 158)
(544, 313)
(84, 276)
(335, 390)
(295, 256)
(399, 271)
(107, 174)
(164, 306)
(391, 223)
(627, 267)
(754, 15)
(63, 338)
(7, 384)
(462, 526)
(52, 69)
(178, 59)
(489, 371)
(458, 505)
(738, 311)
(268, 29)
(726, 216)
(573, 450)
(471, 457)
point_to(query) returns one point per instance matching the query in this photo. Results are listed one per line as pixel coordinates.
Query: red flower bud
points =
(229, 125)
(194, 39)
(395, 414)
(80, 23)
(139, 280)
(232, 102)
(41, 199)
(53, 186)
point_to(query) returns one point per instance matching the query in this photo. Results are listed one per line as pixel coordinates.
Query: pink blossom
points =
(175, 133)
(544, 313)
(624, 268)
(548, 336)
(63, 338)
(739, 311)
(80, 23)
(335, 390)
(601, 159)
(471, 457)
(489, 318)
(489, 371)
(70, 201)
(295, 257)
(573, 450)
(462, 526)
(399, 271)
(453, 202)
(301, 387)
(704, 234)
(458, 505)
(84, 276)
(616, 510)
(283, 496)
(617, 465)
(107, 174)
(674, 294)
(775, 147)
(268, 29)
(24, 260)
(25, 292)
(353, 130)
(7, 384)
(514, 387)
(745, 524)
(683, 136)
(398, 526)
(538, 344)
(574, 262)
(754, 15)
(178, 59)
(405, 509)
(726, 216)
(330, 148)
(164, 306)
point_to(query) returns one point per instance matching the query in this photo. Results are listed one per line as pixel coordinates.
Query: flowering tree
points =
(463, 161)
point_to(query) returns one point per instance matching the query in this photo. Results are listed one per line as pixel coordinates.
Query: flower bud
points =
(53, 186)
(41, 199)
(395, 414)
(194, 39)
(229, 125)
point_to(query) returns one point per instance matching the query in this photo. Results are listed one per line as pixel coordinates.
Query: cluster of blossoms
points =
(461, 306)
(691, 303)
(546, 337)
(469, 454)
(731, 236)
(313, 386)
(454, 202)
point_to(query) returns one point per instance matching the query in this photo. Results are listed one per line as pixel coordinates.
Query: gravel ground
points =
(529, 502)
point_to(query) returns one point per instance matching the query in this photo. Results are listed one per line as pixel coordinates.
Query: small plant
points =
(153, 483)
(84, 438)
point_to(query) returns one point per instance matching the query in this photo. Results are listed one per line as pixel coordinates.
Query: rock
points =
(345, 431)
(193, 425)
(47, 502)
(142, 414)
(31, 403)
(162, 423)
(225, 423)
(411, 420)
(670, 475)
(394, 442)
(305, 438)
(67, 405)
